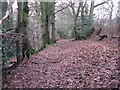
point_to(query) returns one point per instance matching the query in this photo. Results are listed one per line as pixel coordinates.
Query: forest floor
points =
(69, 64)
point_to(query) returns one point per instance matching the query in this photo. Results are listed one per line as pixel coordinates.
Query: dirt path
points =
(68, 64)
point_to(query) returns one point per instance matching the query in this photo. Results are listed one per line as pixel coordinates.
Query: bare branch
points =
(72, 6)
(100, 4)
(61, 9)
(78, 11)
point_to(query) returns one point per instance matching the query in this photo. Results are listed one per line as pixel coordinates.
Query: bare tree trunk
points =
(19, 31)
(119, 22)
(45, 10)
(3, 27)
(8, 10)
(43, 14)
(4, 9)
(1, 52)
(91, 12)
(53, 37)
(110, 18)
(47, 28)
(7, 14)
(40, 45)
(11, 17)
(111, 11)
(25, 43)
(75, 14)
(0, 10)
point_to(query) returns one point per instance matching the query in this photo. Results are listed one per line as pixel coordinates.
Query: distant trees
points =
(75, 16)
(82, 15)
(105, 23)
(64, 21)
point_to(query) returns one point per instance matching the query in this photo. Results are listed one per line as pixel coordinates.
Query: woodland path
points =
(68, 64)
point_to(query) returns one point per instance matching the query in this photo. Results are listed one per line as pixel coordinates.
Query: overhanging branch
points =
(61, 9)
(100, 4)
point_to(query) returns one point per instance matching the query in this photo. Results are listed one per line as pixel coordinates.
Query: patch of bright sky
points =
(96, 11)
(103, 12)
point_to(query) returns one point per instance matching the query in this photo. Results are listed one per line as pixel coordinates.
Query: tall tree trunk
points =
(119, 22)
(26, 43)
(75, 17)
(1, 52)
(43, 13)
(110, 18)
(19, 31)
(7, 7)
(4, 9)
(3, 27)
(47, 28)
(38, 26)
(1, 60)
(111, 12)
(11, 17)
(91, 12)
(75, 21)
(45, 21)
(53, 37)
(0, 12)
